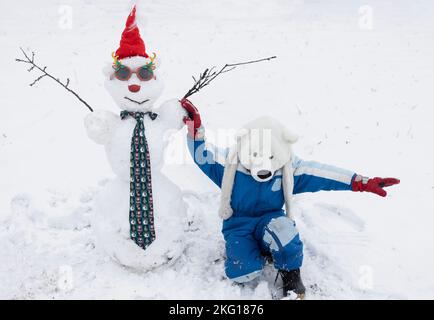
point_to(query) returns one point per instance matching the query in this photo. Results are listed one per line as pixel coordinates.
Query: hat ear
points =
(289, 136)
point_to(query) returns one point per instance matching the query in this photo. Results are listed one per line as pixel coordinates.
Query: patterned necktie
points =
(142, 230)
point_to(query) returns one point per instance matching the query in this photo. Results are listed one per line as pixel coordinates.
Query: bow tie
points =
(138, 115)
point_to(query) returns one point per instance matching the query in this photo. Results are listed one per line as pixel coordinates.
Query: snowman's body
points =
(137, 92)
(111, 221)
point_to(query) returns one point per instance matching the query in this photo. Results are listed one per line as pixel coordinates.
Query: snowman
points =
(140, 214)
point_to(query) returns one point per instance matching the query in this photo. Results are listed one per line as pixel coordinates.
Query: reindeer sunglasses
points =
(124, 73)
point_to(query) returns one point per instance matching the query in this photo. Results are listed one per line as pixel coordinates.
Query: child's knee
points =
(279, 232)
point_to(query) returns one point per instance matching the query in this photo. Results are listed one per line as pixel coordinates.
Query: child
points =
(258, 177)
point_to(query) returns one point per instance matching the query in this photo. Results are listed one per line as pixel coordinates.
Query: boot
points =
(292, 282)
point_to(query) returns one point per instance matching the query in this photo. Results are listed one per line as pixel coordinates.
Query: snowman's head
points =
(132, 79)
(134, 83)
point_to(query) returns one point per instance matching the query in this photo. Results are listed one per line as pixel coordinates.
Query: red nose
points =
(134, 88)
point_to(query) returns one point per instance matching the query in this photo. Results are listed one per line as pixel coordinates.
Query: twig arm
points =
(210, 74)
(249, 62)
(31, 61)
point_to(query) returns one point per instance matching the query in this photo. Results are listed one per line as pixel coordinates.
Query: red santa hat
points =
(131, 44)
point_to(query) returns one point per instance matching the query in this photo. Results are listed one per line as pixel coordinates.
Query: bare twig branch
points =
(232, 68)
(31, 61)
(252, 61)
(210, 74)
(37, 79)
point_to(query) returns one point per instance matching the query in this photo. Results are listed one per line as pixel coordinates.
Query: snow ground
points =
(360, 98)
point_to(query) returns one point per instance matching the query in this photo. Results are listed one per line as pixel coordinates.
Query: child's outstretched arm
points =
(312, 176)
(206, 157)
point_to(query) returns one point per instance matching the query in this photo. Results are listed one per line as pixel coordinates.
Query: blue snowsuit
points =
(259, 224)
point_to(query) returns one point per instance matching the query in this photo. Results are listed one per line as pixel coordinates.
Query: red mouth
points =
(134, 88)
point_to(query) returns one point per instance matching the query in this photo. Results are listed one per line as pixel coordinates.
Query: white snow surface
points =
(359, 98)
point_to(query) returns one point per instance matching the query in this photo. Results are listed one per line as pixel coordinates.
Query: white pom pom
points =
(225, 212)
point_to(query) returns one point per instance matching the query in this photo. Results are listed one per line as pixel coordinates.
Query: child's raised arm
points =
(207, 159)
(204, 155)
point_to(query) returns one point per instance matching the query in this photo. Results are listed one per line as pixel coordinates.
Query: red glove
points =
(193, 121)
(374, 185)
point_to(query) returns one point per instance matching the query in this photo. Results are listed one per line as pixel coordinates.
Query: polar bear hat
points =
(263, 147)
